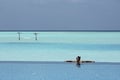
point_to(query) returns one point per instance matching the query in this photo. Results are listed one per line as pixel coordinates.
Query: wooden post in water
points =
(36, 36)
(19, 36)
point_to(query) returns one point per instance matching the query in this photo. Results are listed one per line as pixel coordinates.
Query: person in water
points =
(78, 60)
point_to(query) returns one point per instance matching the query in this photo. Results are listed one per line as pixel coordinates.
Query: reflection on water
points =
(78, 65)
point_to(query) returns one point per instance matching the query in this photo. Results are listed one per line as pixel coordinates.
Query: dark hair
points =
(78, 57)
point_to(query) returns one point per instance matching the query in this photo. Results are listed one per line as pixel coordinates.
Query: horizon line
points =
(59, 30)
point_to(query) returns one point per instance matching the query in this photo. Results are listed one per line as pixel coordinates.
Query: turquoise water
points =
(60, 46)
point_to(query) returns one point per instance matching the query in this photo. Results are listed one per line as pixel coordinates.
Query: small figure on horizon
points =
(78, 61)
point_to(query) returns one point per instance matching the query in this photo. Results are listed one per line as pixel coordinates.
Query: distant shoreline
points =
(60, 30)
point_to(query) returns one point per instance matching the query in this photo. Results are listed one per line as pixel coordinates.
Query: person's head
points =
(78, 58)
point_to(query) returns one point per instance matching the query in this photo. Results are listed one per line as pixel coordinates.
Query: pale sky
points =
(59, 14)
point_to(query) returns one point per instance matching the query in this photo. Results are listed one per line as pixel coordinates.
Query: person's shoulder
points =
(88, 61)
(70, 61)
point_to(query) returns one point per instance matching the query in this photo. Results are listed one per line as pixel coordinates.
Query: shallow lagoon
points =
(60, 46)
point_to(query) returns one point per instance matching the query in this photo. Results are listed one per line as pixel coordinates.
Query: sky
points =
(59, 14)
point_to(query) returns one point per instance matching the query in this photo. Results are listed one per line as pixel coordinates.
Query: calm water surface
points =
(58, 71)
(60, 46)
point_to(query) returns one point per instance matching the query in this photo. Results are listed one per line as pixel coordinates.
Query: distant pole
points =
(19, 35)
(36, 36)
